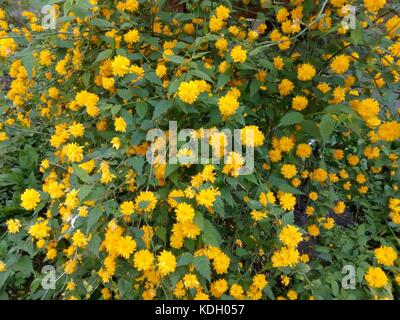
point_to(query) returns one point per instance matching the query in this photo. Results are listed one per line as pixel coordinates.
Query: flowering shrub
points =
(314, 85)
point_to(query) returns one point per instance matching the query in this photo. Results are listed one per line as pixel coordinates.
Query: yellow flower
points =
(258, 215)
(285, 87)
(3, 266)
(389, 131)
(108, 83)
(126, 246)
(292, 295)
(166, 263)
(303, 150)
(184, 212)
(221, 44)
(340, 64)
(207, 197)
(313, 230)
(319, 175)
(146, 201)
(353, 160)
(216, 24)
(290, 236)
(79, 240)
(306, 72)
(188, 91)
(238, 54)
(120, 66)
(288, 170)
(161, 70)
(287, 201)
(3, 136)
(77, 130)
(236, 291)
(221, 263)
(254, 135)
(13, 225)
(228, 105)
(88, 100)
(127, 208)
(386, 255)
(313, 196)
(374, 5)
(339, 207)
(299, 103)
(73, 151)
(260, 281)
(132, 36)
(143, 260)
(190, 281)
(376, 277)
(120, 124)
(39, 230)
(218, 287)
(233, 163)
(222, 12)
(30, 199)
(278, 63)
(285, 257)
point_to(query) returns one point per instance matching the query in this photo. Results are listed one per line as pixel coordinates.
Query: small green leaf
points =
(93, 217)
(326, 127)
(202, 265)
(290, 118)
(185, 259)
(141, 109)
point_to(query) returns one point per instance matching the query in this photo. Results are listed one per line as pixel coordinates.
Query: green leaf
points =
(201, 74)
(311, 128)
(101, 23)
(357, 36)
(141, 109)
(137, 164)
(288, 218)
(176, 59)
(152, 77)
(82, 174)
(94, 244)
(28, 158)
(326, 127)
(84, 191)
(125, 94)
(104, 55)
(202, 265)
(27, 61)
(93, 217)
(290, 118)
(223, 79)
(24, 265)
(185, 259)
(211, 235)
(161, 107)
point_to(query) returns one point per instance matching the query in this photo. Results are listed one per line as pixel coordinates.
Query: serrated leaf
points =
(290, 118)
(141, 109)
(211, 235)
(202, 265)
(185, 259)
(93, 217)
(326, 127)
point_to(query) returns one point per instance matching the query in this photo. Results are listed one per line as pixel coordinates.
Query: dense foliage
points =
(77, 192)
